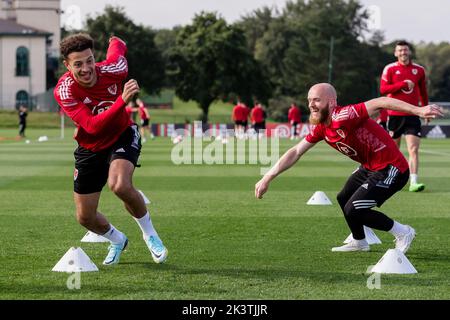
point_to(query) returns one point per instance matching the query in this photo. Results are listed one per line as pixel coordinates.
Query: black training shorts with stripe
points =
(92, 168)
(366, 189)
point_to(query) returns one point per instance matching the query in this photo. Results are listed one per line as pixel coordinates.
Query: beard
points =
(323, 116)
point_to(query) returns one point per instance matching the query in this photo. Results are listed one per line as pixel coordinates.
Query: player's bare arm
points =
(286, 161)
(427, 112)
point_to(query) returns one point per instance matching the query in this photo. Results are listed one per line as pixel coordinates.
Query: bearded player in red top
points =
(405, 80)
(383, 171)
(109, 143)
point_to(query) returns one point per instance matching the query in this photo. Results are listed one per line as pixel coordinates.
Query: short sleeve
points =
(315, 135)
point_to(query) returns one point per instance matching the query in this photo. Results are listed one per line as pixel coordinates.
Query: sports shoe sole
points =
(361, 249)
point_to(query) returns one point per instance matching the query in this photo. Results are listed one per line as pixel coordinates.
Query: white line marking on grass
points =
(435, 152)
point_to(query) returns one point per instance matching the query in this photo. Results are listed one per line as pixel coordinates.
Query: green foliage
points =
(436, 60)
(211, 62)
(145, 61)
(295, 49)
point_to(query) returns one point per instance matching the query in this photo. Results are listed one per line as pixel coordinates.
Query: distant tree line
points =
(268, 56)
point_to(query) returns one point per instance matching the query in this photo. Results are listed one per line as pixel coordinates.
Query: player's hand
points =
(261, 187)
(410, 84)
(130, 89)
(431, 111)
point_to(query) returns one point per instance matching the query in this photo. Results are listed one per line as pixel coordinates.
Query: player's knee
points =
(120, 187)
(413, 150)
(350, 210)
(84, 219)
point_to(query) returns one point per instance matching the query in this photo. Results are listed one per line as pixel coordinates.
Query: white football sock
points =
(398, 229)
(114, 235)
(146, 225)
(413, 178)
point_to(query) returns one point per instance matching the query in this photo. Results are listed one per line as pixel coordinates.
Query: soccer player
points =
(383, 171)
(382, 118)
(109, 143)
(258, 119)
(22, 120)
(294, 118)
(405, 80)
(145, 120)
(238, 118)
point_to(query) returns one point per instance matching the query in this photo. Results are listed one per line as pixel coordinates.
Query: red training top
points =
(294, 114)
(98, 112)
(393, 85)
(360, 138)
(257, 114)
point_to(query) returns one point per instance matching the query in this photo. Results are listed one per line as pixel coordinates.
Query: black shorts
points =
(373, 188)
(239, 123)
(398, 125)
(259, 126)
(144, 123)
(92, 168)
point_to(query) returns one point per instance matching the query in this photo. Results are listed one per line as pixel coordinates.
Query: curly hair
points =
(75, 43)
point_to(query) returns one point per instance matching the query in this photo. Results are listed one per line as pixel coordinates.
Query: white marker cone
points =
(394, 261)
(93, 237)
(371, 237)
(75, 260)
(319, 198)
(146, 200)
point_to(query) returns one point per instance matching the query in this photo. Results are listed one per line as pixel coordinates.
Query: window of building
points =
(22, 98)
(22, 62)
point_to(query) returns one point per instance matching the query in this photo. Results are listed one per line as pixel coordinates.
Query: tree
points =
(436, 60)
(211, 61)
(145, 62)
(295, 49)
(165, 40)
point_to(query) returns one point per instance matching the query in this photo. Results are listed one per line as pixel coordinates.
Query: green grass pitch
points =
(223, 243)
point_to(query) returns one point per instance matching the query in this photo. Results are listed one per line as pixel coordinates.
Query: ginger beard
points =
(319, 115)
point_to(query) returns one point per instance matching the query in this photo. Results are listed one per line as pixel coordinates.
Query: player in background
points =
(23, 113)
(405, 80)
(382, 118)
(383, 170)
(237, 116)
(145, 120)
(131, 109)
(109, 143)
(294, 118)
(258, 119)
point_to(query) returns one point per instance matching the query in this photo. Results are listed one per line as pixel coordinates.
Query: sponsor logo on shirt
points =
(346, 149)
(397, 72)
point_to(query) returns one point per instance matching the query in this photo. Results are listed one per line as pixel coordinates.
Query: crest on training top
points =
(113, 89)
(414, 71)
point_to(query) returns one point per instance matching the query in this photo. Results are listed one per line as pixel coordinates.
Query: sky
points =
(413, 20)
